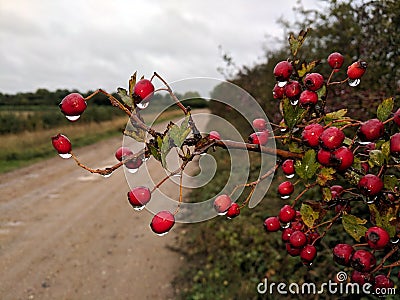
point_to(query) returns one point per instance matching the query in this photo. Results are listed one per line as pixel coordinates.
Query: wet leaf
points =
(296, 42)
(325, 175)
(293, 114)
(308, 215)
(126, 99)
(178, 134)
(385, 148)
(335, 115)
(295, 148)
(307, 67)
(307, 167)
(390, 182)
(321, 93)
(165, 148)
(327, 194)
(154, 152)
(132, 83)
(376, 158)
(383, 218)
(385, 109)
(353, 226)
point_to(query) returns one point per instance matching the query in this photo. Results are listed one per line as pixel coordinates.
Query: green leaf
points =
(325, 175)
(296, 42)
(154, 152)
(308, 215)
(178, 134)
(295, 148)
(385, 148)
(293, 114)
(376, 158)
(390, 182)
(307, 67)
(385, 109)
(123, 94)
(165, 148)
(307, 167)
(327, 194)
(353, 226)
(383, 218)
(335, 115)
(321, 93)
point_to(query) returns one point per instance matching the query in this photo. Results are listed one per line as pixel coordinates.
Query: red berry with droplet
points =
(61, 143)
(298, 239)
(214, 135)
(287, 214)
(134, 163)
(288, 167)
(342, 254)
(143, 89)
(259, 124)
(363, 260)
(308, 98)
(292, 89)
(311, 134)
(222, 203)
(73, 105)
(283, 70)
(139, 196)
(308, 253)
(343, 158)
(286, 188)
(122, 152)
(259, 138)
(278, 92)
(371, 130)
(356, 70)
(332, 138)
(335, 60)
(233, 211)
(272, 224)
(370, 185)
(313, 81)
(162, 222)
(395, 144)
(377, 237)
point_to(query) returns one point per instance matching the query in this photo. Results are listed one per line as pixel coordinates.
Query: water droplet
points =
(162, 234)
(364, 143)
(223, 213)
(143, 104)
(290, 176)
(294, 102)
(204, 153)
(73, 118)
(285, 197)
(370, 200)
(396, 160)
(65, 155)
(138, 208)
(394, 240)
(354, 82)
(282, 83)
(177, 175)
(132, 171)
(283, 129)
(106, 175)
(144, 159)
(285, 225)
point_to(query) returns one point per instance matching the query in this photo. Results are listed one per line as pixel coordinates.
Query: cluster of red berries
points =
(224, 205)
(261, 135)
(363, 261)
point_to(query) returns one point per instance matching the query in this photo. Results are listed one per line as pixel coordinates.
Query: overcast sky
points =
(90, 44)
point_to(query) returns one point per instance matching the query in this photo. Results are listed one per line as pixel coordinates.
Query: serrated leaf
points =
(321, 93)
(293, 114)
(390, 182)
(335, 115)
(123, 94)
(137, 134)
(154, 152)
(165, 148)
(308, 215)
(325, 175)
(307, 167)
(296, 42)
(132, 83)
(383, 218)
(295, 148)
(385, 148)
(385, 109)
(327, 194)
(307, 67)
(178, 134)
(357, 163)
(353, 226)
(352, 177)
(376, 158)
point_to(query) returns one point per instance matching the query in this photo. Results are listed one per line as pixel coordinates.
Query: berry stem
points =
(114, 101)
(180, 192)
(106, 171)
(386, 257)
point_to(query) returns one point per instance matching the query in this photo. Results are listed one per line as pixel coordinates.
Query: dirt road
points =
(69, 234)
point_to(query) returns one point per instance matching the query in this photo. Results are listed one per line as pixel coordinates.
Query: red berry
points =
(363, 260)
(332, 138)
(311, 134)
(139, 196)
(272, 224)
(342, 254)
(370, 185)
(365, 167)
(61, 143)
(283, 70)
(356, 70)
(342, 206)
(222, 203)
(293, 251)
(382, 282)
(313, 81)
(260, 124)
(122, 152)
(288, 167)
(286, 188)
(233, 211)
(297, 225)
(308, 98)
(371, 130)
(324, 157)
(72, 106)
(377, 237)
(286, 214)
(396, 118)
(286, 233)
(308, 253)
(343, 158)
(335, 60)
(162, 222)
(292, 89)
(260, 138)
(214, 135)
(395, 144)
(312, 236)
(336, 191)
(143, 89)
(134, 163)
(361, 278)
(278, 92)
(298, 239)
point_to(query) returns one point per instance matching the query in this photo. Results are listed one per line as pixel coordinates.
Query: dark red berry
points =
(233, 211)
(363, 260)
(260, 124)
(356, 70)
(361, 278)
(283, 70)
(308, 98)
(342, 254)
(72, 106)
(308, 253)
(278, 92)
(298, 239)
(162, 222)
(222, 203)
(371, 130)
(335, 60)
(288, 167)
(311, 134)
(396, 117)
(214, 135)
(365, 167)
(332, 138)
(286, 233)
(134, 163)
(286, 188)
(370, 185)
(292, 89)
(61, 143)
(343, 158)
(342, 206)
(139, 196)
(122, 152)
(313, 81)
(272, 224)
(312, 236)
(382, 282)
(336, 191)
(377, 237)
(324, 157)
(395, 144)
(292, 251)
(297, 225)
(259, 138)
(287, 214)
(143, 89)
